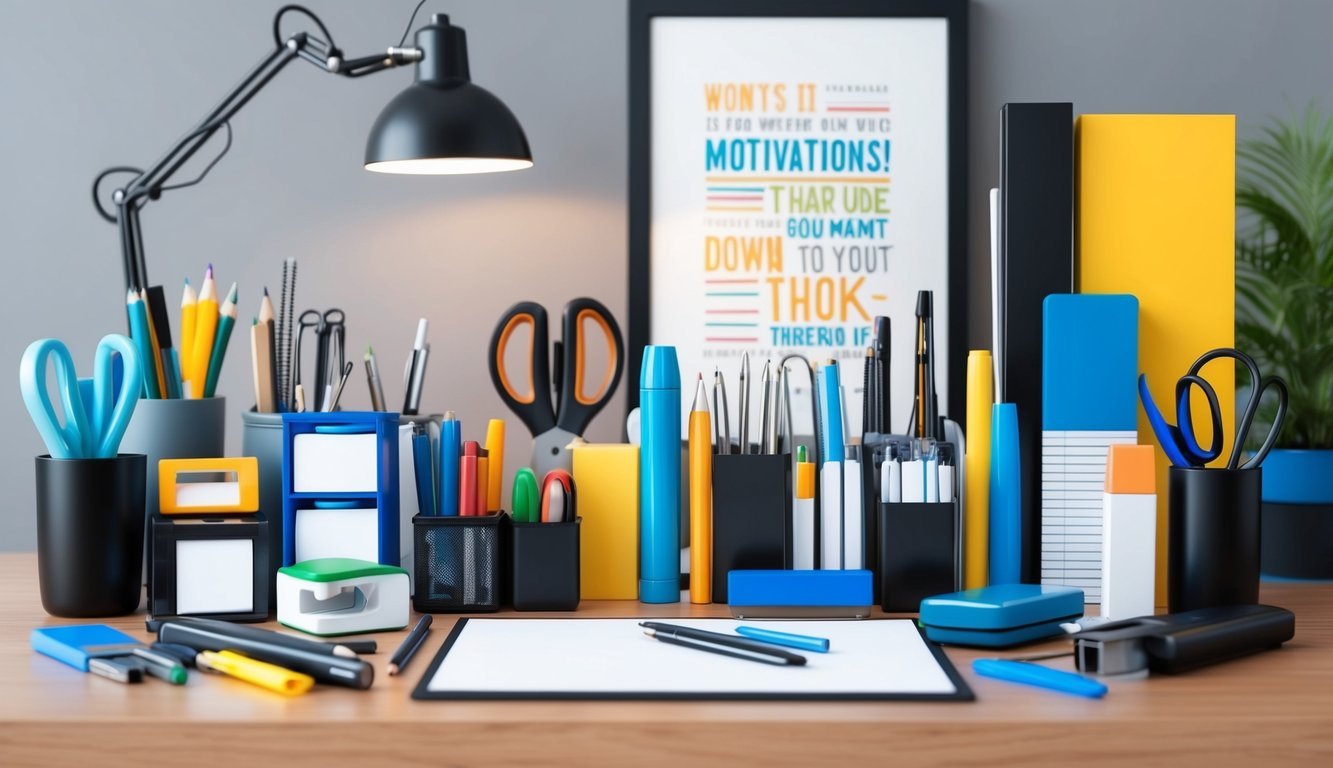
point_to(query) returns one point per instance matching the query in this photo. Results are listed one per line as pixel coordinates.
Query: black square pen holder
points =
(918, 553)
(544, 566)
(752, 498)
(459, 563)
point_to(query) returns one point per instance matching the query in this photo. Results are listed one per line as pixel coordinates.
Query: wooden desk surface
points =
(1269, 709)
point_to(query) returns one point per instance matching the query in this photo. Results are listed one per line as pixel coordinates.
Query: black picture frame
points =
(641, 15)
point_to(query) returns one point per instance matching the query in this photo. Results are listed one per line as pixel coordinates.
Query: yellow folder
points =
(1156, 218)
(607, 479)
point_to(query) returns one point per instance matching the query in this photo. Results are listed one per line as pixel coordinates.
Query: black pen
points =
(410, 645)
(723, 645)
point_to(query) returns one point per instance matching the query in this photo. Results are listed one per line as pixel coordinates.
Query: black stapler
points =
(1179, 642)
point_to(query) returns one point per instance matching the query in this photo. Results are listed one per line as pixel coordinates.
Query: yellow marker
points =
(976, 515)
(701, 499)
(189, 303)
(259, 673)
(495, 454)
(803, 514)
(1157, 211)
(205, 325)
(607, 478)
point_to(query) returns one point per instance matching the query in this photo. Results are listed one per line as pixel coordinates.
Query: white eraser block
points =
(1129, 541)
(914, 481)
(892, 491)
(946, 482)
(336, 463)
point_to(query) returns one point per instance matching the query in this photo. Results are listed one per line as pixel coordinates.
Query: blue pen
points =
(830, 411)
(1039, 676)
(788, 639)
(659, 476)
(451, 452)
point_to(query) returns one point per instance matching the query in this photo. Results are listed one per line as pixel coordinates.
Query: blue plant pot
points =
(1296, 537)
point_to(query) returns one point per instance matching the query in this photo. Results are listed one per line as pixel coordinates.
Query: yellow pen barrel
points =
(259, 673)
(976, 513)
(495, 452)
(701, 508)
(206, 324)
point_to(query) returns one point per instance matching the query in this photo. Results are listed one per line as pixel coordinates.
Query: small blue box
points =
(1000, 615)
(800, 594)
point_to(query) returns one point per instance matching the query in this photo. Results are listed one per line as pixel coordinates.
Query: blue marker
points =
(1039, 676)
(788, 639)
(1006, 492)
(451, 451)
(659, 476)
(830, 411)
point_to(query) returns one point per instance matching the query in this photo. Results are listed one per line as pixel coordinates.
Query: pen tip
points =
(187, 281)
(265, 288)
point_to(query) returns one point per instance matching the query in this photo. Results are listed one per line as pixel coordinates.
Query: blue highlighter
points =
(1039, 676)
(659, 476)
(788, 639)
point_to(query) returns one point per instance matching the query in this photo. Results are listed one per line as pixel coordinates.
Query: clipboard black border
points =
(962, 691)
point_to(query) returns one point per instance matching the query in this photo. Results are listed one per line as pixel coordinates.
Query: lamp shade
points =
(444, 123)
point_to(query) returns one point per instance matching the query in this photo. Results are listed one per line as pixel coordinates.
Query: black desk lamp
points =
(442, 124)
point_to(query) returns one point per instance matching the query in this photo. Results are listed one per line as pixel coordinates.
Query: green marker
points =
(161, 666)
(526, 498)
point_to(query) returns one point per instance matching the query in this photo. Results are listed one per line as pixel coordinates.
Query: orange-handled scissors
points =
(555, 422)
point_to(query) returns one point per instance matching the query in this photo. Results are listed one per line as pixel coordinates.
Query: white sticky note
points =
(215, 576)
(351, 533)
(335, 463)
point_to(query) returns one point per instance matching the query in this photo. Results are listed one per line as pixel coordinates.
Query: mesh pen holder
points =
(459, 563)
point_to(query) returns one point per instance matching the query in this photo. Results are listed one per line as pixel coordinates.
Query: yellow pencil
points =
(701, 499)
(255, 672)
(206, 323)
(189, 302)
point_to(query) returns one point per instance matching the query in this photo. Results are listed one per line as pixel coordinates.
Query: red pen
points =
(483, 482)
(467, 479)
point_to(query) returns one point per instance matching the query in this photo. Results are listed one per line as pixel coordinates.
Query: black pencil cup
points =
(918, 553)
(751, 515)
(459, 563)
(544, 566)
(90, 533)
(1212, 537)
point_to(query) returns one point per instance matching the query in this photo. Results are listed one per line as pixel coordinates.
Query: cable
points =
(97, 182)
(207, 168)
(409, 23)
(277, 22)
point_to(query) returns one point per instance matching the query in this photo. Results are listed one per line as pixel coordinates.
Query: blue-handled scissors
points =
(96, 409)
(1179, 442)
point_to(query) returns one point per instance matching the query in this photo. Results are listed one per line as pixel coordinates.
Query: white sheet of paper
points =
(613, 656)
(215, 576)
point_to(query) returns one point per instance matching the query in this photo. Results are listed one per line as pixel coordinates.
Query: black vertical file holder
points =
(544, 565)
(918, 553)
(1036, 224)
(459, 563)
(751, 515)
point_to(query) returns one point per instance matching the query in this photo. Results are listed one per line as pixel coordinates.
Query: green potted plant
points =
(1284, 318)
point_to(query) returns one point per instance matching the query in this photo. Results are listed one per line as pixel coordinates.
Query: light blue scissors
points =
(97, 409)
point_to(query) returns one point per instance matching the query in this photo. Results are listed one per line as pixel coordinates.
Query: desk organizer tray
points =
(544, 565)
(1000, 615)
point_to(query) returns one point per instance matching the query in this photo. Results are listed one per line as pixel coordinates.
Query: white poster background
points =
(859, 67)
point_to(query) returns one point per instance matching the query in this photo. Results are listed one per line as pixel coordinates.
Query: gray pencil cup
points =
(261, 437)
(174, 429)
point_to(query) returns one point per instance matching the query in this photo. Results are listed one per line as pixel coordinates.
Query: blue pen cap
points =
(660, 369)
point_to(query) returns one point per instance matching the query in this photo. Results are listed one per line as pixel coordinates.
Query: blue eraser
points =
(74, 644)
(800, 594)
(1001, 614)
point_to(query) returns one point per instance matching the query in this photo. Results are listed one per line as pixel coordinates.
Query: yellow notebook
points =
(1156, 218)
(607, 481)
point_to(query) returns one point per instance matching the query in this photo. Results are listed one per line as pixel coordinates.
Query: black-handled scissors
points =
(1179, 441)
(554, 423)
(330, 340)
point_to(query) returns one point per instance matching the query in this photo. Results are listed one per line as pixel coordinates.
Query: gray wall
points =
(93, 84)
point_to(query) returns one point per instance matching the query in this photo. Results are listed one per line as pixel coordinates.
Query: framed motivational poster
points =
(797, 168)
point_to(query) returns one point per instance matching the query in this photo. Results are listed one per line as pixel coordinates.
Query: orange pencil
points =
(701, 499)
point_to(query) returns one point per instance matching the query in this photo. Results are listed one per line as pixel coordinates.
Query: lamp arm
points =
(149, 185)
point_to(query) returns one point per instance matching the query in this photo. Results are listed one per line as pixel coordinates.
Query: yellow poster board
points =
(1157, 218)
